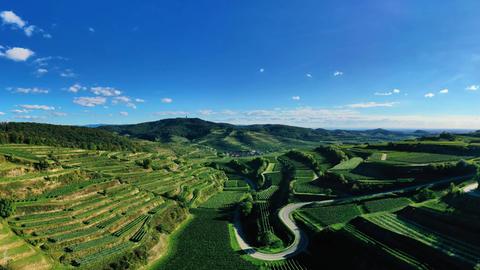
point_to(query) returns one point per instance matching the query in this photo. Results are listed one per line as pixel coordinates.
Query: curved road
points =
(300, 241)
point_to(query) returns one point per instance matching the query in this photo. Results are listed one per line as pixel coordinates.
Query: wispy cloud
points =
(58, 114)
(10, 18)
(29, 117)
(105, 91)
(68, 73)
(37, 107)
(429, 95)
(33, 90)
(473, 87)
(261, 70)
(389, 93)
(2, 113)
(337, 73)
(91, 30)
(167, 100)
(41, 71)
(139, 100)
(371, 104)
(309, 75)
(76, 88)
(296, 98)
(443, 91)
(124, 113)
(172, 113)
(20, 111)
(124, 100)
(89, 101)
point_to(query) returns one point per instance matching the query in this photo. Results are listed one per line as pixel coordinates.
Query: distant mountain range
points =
(229, 137)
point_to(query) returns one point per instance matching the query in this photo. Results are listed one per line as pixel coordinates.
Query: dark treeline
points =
(64, 136)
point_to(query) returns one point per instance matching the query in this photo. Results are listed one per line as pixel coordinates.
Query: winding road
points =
(300, 241)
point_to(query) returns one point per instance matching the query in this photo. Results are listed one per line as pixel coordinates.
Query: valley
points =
(165, 203)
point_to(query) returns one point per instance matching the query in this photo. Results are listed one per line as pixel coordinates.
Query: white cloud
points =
(59, 114)
(383, 93)
(38, 107)
(75, 88)
(139, 100)
(308, 75)
(167, 100)
(17, 54)
(228, 112)
(89, 101)
(29, 117)
(44, 61)
(33, 90)
(296, 98)
(261, 70)
(9, 17)
(124, 113)
(67, 73)
(206, 112)
(371, 104)
(91, 30)
(429, 95)
(29, 30)
(393, 92)
(337, 73)
(105, 91)
(20, 111)
(443, 91)
(171, 113)
(2, 113)
(125, 100)
(473, 87)
(41, 71)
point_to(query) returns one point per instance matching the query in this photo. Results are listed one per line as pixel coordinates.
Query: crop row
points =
(445, 244)
(130, 225)
(93, 243)
(267, 193)
(102, 254)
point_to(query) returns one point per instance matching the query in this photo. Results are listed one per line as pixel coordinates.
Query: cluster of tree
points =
(64, 136)
(332, 153)
(252, 168)
(305, 158)
(450, 168)
(7, 208)
(448, 149)
(146, 163)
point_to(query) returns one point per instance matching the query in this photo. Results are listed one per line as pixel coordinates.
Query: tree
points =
(7, 208)
(246, 208)
(270, 239)
(147, 163)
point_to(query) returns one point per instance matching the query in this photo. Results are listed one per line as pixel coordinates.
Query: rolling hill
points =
(228, 137)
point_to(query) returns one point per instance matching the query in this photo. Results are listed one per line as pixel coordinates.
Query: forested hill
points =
(190, 128)
(250, 137)
(65, 136)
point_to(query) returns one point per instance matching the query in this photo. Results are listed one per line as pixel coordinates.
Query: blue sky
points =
(331, 64)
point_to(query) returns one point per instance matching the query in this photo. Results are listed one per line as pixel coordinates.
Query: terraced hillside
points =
(84, 208)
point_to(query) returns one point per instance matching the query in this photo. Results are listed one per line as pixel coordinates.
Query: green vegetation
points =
(7, 208)
(118, 203)
(64, 136)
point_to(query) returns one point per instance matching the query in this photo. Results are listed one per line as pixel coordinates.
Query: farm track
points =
(300, 241)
